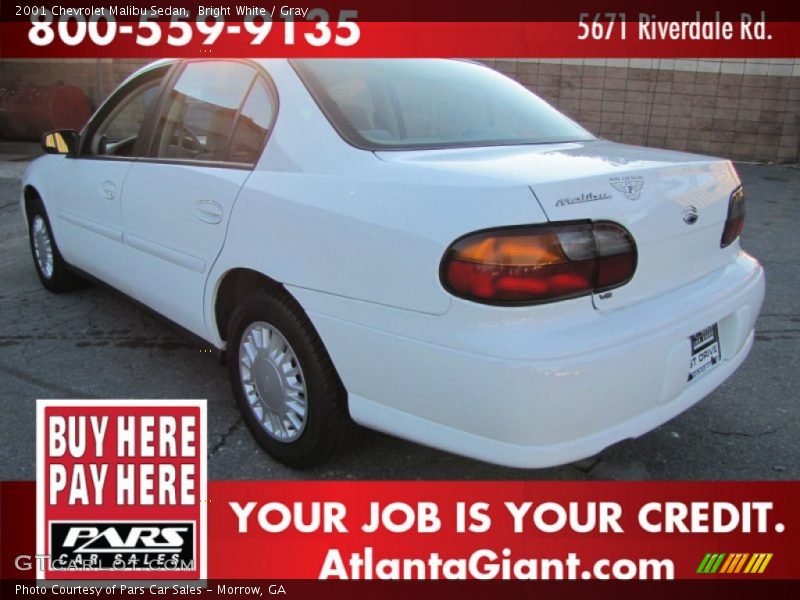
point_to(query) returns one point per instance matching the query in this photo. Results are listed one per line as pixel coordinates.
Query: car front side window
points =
(122, 121)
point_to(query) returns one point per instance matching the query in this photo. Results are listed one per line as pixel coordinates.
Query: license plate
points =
(705, 352)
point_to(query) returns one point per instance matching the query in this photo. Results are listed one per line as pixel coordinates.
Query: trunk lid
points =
(673, 204)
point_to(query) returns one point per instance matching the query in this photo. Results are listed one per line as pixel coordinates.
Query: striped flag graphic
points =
(735, 562)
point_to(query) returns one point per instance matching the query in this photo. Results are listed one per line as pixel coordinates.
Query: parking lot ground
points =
(94, 344)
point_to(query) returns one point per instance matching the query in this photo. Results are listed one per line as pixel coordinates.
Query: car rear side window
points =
(253, 124)
(217, 111)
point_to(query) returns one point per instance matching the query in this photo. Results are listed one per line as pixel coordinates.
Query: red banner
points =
(479, 530)
(350, 37)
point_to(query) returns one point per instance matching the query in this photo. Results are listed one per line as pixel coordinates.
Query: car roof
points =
(162, 62)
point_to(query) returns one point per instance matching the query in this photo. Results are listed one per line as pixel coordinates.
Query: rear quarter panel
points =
(378, 235)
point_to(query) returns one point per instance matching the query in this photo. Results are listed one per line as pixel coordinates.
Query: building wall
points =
(741, 109)
(97, 78)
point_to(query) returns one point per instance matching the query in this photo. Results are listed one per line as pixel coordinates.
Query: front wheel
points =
(284, 382)
(53, 271)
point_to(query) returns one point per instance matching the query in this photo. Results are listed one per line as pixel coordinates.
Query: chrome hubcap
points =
(42, 247)
(273, 381)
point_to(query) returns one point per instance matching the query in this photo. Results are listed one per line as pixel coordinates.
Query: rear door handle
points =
(209, 211)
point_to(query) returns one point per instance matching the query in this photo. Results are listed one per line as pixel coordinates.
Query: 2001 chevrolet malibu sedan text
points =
(423, 246)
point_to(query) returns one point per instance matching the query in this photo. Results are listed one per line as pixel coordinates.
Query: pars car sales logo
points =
(121, 489)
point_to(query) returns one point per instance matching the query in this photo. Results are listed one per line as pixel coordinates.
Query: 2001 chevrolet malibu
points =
(423, 246)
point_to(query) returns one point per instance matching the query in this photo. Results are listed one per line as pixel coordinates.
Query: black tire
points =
(61, 278)
(326, 417)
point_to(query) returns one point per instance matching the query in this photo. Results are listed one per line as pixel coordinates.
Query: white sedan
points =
(423, 246)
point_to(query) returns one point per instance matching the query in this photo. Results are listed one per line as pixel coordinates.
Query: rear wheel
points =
(53, 272)
(284, 382)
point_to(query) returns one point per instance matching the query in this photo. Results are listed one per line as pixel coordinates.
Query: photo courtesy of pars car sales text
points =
(366, 292)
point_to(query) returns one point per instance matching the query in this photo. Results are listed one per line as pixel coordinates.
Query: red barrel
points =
(27, 112)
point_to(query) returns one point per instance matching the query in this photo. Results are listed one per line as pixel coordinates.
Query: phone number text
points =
(180, 30)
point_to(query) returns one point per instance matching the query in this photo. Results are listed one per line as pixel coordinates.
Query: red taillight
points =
(540, 263)
(735, 221)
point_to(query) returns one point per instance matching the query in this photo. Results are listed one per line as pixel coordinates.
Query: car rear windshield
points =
(415, 104)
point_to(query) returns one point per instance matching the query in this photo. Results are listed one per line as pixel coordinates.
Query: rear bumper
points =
(587, 381)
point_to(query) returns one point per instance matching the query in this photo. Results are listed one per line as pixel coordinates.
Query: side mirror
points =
(63, 141)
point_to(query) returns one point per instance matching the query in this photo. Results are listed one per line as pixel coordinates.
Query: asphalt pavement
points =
(94, 344)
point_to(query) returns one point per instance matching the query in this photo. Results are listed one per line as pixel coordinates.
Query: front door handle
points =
(209, 211)
(108, 189)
